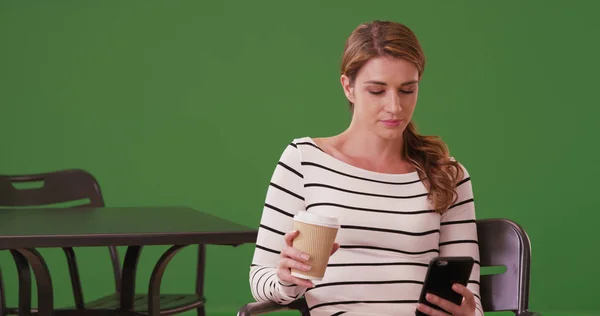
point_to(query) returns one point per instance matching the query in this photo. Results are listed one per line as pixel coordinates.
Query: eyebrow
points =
(385, 84)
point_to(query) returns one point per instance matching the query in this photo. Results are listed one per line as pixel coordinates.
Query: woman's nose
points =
(393, 104)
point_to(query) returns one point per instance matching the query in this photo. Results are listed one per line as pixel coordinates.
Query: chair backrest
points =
(52, 188)
(503, 242)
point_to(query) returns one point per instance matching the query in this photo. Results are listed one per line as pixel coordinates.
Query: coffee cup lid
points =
(315, 219)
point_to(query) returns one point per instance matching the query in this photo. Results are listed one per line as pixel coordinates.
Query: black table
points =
(23, 230)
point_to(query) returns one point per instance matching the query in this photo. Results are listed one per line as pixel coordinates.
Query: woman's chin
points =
(390, 134)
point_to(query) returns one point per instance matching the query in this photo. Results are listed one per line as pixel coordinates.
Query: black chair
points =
(78, 188)
(502, 242)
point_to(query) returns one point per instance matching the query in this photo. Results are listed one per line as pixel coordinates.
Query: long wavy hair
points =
(428, 154)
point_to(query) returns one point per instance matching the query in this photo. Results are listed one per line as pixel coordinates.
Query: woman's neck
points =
(370, 151)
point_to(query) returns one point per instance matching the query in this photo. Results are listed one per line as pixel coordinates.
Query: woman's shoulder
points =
(297, 146)
(466, 176)
(461, 165)
(303, 142)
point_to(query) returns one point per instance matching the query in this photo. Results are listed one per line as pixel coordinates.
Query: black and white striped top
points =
(388, 235)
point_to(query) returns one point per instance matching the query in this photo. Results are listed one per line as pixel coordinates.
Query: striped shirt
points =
(388, 234)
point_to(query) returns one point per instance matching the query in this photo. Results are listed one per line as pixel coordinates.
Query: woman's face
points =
(384, 95)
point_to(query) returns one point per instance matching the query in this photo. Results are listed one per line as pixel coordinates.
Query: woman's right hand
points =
(294, 258)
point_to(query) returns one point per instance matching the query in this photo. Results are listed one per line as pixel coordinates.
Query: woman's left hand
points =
(466, 308)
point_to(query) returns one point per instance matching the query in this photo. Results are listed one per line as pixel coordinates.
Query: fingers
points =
(465, 292)
(292, 258)
(430, 311)
(288, 263)
(444, 304)
(336, 246)
(466, 308)
(284, 274)
(290, 252)
(294, 280)
(302, 282)
(289, 237)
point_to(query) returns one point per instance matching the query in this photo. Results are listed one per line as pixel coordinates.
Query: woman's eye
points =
(407, 91)
(376, 92)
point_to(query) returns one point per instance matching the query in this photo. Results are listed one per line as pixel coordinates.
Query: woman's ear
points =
(348, 88)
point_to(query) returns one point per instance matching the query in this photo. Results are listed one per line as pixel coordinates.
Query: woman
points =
(401, 199)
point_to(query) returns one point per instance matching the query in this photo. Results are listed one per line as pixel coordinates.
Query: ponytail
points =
(440, 173)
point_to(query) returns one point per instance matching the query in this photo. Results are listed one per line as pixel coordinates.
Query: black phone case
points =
(442, 273)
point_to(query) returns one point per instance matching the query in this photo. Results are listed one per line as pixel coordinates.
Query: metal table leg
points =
(24, 274)
(200, 277)
(43, 281)
(156, 278)
(132, 257)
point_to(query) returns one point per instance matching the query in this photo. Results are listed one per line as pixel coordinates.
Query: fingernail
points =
(455, 287)
(429, 297)
(305, 256)
(306, 267)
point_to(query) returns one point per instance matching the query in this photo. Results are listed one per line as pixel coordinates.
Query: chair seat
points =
(168, 302)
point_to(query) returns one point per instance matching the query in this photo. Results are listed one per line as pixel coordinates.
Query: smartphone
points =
(442, 273)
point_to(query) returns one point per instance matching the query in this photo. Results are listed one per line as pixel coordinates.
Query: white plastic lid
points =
(315, 219)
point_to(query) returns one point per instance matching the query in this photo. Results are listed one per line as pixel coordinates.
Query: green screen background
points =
(191, 103)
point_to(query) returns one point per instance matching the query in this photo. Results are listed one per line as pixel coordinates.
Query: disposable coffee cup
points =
(316, 235)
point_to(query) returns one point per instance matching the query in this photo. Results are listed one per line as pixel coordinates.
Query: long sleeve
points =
(284, 199)
(458, 234)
